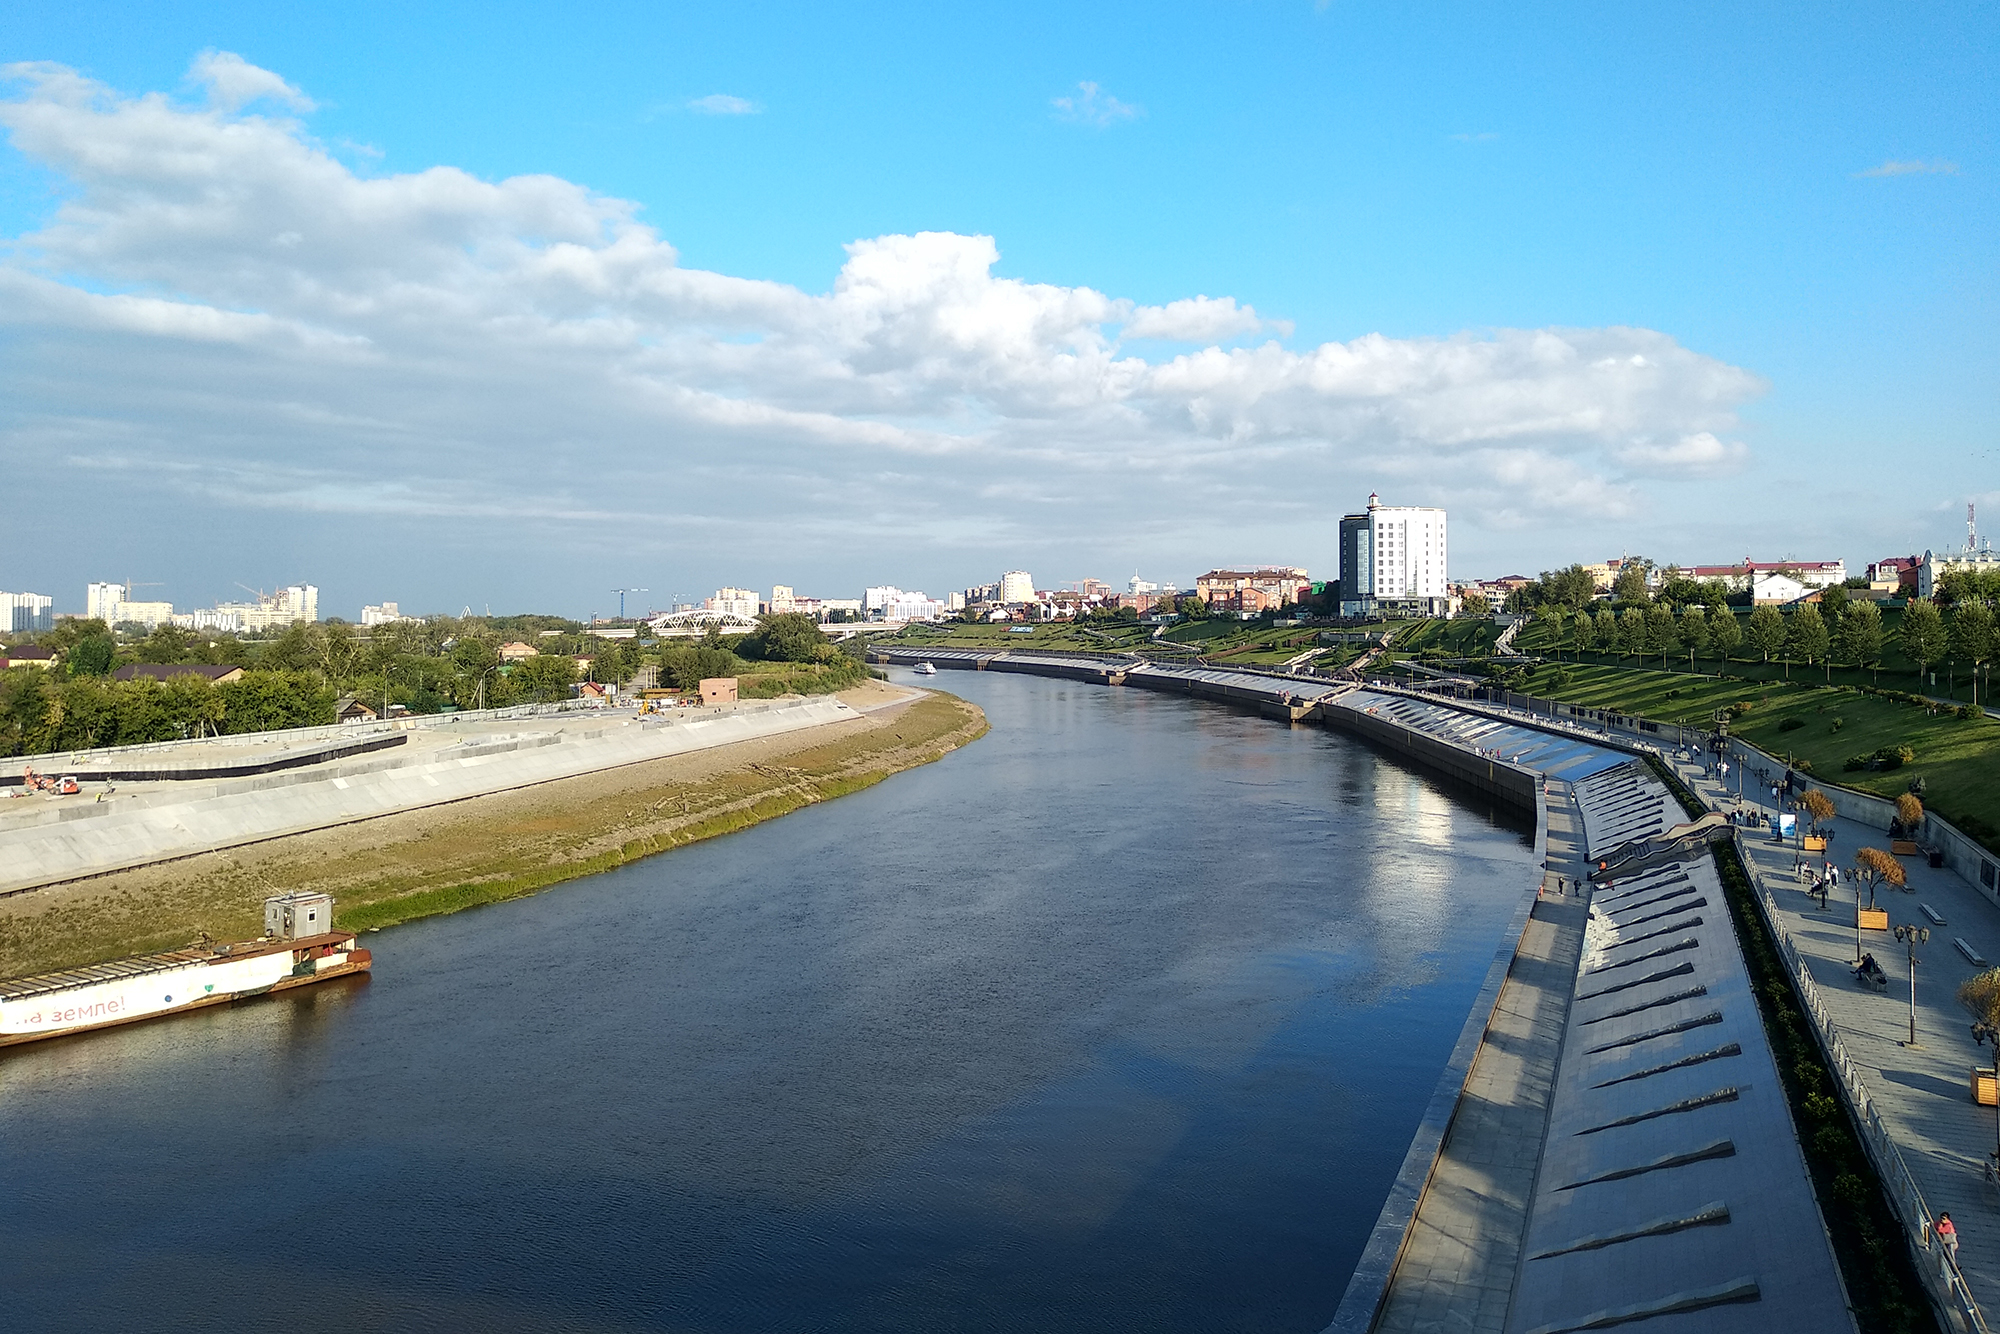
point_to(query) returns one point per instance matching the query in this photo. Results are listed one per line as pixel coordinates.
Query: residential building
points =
(1016, 586)
(954, 602)
(28, 655)
(1896, 575)
(275, 611)
(219, 622)
(516, 650)
(1249, 591)
(1983, 560)
(1136, 585)
(733, 602)
(353, 709)
(893, 604)
(100, 601)
(1743, 574)
(718, 690)
(26, 612)
(385, 613)
(782, 599)
(830, 608)
(1394, 557)
(1771, 589)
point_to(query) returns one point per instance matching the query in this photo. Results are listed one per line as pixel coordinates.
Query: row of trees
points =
(295, 679)
(1848, 632)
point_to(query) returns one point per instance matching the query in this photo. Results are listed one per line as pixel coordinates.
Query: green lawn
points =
(1959, 760)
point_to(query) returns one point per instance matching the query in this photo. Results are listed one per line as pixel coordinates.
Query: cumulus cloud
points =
(1091, 105)
(1893, 167)
(722, 104)
(223, 306)
(233, 82)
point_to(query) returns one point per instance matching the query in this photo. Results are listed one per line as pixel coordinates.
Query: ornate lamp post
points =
(1912, 936)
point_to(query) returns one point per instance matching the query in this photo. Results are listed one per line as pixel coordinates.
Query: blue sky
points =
(1419, 172)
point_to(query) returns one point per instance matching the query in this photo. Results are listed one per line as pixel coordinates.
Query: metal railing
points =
(1942, 1276)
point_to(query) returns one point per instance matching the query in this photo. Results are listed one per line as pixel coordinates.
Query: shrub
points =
(1839, 722)
(1854, 762)
(1966, 713)
(1740, 707)
(1803, 766)
(1791, 724)
(1980, 994)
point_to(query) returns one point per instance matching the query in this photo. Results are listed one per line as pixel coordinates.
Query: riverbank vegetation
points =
(443, 859)
(298, 677)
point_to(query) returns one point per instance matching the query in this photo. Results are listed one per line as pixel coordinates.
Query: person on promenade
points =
(1948, 1234)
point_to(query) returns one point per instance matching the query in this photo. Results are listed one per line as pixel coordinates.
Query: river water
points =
(1118, 1019)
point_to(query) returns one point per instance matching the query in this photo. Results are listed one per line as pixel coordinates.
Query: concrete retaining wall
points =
(117, 836)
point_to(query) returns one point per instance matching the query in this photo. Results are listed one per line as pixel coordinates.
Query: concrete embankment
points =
(44, 842)
(1610, 1142)
(443, 856)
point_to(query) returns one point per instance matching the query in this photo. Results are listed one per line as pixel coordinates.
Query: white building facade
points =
(26, 612)
(1394, 555)
(734, 602)
(1017, 586)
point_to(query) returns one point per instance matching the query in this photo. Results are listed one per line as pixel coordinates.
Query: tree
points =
(787, 636)
(1909, 814)
(1693, 632)
(546, 677)
(1662, 632)
(1572, 587)
(1922, 635)
(91, 656)
(1807, 637)
(1605, 623)
(1833, 603)
(1972, 636)
(1633, 640)
(1630, 585)
(1582, 633)
(1551, 616)
(1859, 640)
(1873, 864)
(1475, 604)
(1194, 609)
(167, 643)
(1766, 632)
(1725, 636)
(1819, 806)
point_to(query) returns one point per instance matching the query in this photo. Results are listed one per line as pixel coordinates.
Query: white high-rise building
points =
(382, 613)
(296, 602)
(1393, 554)
(100, 601)
(734, 602)
(1017, 586)
(23, 612)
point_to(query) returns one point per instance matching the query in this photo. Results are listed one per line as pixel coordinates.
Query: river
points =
(1118, 1019)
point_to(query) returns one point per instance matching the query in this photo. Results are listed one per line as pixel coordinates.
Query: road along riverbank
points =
(528, 834)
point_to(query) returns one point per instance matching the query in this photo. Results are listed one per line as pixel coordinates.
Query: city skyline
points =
(260, 296)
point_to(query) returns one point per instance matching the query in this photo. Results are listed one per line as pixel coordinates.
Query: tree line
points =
(296, 677)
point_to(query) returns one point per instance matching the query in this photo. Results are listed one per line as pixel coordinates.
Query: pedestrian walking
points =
(1948, 1234)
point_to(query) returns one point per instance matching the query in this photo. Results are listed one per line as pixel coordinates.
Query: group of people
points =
(1870, 972)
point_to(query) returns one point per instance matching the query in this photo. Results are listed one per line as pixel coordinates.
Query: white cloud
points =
(1091, 105)
(722, 104)
(1934, 167)
(223, 302)
(233, 82)
(1197, 319)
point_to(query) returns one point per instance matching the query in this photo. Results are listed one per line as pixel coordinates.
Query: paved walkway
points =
(1458, 1266)
(1922, 1093)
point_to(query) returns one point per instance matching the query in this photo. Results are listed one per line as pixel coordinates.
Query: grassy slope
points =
(1958, 760)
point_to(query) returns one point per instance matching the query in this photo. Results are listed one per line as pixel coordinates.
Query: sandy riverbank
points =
(443, 858)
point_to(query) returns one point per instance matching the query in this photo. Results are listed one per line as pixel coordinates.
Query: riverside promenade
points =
(1921, 1094)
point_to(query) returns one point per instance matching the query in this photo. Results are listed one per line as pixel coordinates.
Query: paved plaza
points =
(1922, 1093)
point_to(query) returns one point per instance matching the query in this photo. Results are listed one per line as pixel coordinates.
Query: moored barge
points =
(299, 947)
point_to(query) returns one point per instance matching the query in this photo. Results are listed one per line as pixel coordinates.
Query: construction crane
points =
(621, 592)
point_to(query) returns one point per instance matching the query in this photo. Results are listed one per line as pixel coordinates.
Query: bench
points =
(1878, 981)
(1932, 913)
(1972, 956)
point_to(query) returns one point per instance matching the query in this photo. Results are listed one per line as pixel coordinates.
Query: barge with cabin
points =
(299, 947)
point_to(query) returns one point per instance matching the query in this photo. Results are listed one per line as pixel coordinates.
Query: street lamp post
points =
(1911, 936)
